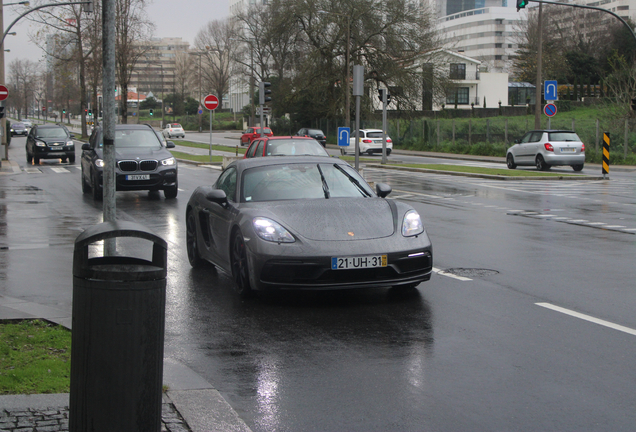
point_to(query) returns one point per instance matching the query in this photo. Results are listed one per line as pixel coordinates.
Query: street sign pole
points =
(358, 90)
(211, 102)
(211, 136)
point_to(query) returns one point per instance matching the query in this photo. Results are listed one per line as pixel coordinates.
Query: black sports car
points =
(49, 141)
(305, 222)
(142, 162)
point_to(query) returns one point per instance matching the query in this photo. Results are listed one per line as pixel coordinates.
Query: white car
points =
(370, 142)
(27, 123)
(173, 130)
(546, 148)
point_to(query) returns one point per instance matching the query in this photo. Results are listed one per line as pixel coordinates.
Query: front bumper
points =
(50, 152)
(302, 267)
(158, 180)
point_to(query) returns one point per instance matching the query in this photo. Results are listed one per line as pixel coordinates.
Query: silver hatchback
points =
(547, 148)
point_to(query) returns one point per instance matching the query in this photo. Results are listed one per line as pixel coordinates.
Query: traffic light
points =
(388, 95)
(85, 111)
(151, 113)
(1, 112)
(89, 7)
(63, 111)
(90, 113)
(521, 4)
(262, 86)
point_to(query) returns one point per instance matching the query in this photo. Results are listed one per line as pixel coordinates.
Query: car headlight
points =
(40, 144)
(99, 163)
(68, 143)
(169, 161)
(272, 231)
(412, 224)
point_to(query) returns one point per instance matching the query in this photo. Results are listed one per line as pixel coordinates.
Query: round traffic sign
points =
(550, 109)
(211, 102)
(4, 92)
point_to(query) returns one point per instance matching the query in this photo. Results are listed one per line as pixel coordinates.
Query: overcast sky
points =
(181, 19)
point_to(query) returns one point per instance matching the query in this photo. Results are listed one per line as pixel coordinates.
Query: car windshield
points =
(302, 181)
(315, 132)
(374, 134)
(131, 138)
(563, 136)
(18, 126)
(295, 147)
(51, 133)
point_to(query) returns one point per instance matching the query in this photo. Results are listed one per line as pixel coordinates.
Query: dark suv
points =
(50, 141)
(142, 162)
(316, 134)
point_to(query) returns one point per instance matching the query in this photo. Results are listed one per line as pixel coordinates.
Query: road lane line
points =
(588, 318)
(450, 275)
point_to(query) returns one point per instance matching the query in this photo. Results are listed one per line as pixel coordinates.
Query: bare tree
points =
(185, 74)
(22, 76)
(65, 35)
(132, 28)
(218, 45)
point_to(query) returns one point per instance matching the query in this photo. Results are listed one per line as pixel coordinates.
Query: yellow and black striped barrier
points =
(606, 154)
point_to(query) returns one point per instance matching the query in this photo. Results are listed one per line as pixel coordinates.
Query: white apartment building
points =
(487, 34)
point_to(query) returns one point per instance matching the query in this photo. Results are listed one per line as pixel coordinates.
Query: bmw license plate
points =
(138, 177)
(358, 262)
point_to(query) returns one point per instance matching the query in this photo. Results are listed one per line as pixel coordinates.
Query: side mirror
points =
(86, 146)
(517, 141)
(383, 189)
(169, 144)
(71, 135)
(217, 196)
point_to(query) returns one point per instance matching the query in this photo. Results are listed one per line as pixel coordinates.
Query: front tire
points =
(171, 192)
(71, 159)
(191, 241)
(240, 269)
(86, 188)
(540, 164)
(510, 161)
(29, 157)
(577, 168)
(98, 193)
(36, 160)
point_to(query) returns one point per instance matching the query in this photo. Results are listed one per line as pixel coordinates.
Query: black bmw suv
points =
(142, 162)
(50, 141)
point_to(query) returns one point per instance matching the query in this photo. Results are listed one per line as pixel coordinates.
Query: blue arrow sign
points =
(343, 136)
(550, 91)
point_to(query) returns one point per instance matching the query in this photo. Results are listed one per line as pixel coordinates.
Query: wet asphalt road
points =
(476, 350)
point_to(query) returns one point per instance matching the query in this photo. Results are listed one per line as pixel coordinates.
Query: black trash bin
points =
(118, 334)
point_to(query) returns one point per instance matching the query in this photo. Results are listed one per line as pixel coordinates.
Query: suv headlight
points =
(40, 143)
(412, 224)
(272, 231)
(169, 162)
(99, 163)
(69, 143)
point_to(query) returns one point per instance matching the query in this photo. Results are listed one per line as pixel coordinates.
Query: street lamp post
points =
(199, 54)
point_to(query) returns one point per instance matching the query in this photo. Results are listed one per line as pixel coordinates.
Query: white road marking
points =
(60, 170)
(588, 318)
(450, 275)
(596, 223)
(33, 171)
(615, 226)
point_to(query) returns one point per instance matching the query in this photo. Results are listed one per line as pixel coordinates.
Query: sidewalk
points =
(190, 404)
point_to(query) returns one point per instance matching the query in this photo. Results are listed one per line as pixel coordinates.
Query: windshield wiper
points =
(353, 180)
(325, 188)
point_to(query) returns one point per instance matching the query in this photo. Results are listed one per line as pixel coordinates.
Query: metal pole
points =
(384, 160)
(3, 121)
(348, 86)
(108, 62)
(357, 146)
(538, 98)
(210, 135)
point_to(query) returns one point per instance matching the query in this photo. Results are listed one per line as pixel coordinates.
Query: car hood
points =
(54, 140)
(335, 218)
(138, 152)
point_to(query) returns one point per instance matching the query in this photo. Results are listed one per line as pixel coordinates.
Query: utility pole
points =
(108, 63)
(538, 96)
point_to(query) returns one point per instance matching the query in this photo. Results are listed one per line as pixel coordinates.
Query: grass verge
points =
(196, 158)
(488, 171)
(34, 357)
(232, 150)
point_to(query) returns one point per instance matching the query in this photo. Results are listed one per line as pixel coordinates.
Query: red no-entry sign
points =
(4, 92)
(211, 102)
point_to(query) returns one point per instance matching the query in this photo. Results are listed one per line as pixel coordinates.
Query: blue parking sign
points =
(343, 136)
(550, 90)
